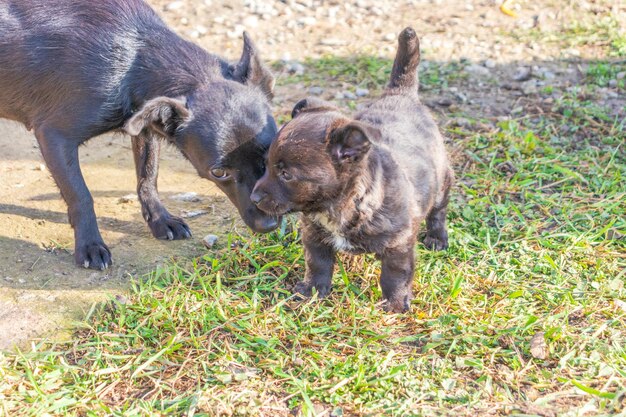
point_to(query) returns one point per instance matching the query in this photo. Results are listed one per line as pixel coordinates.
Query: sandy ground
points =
(42, 291)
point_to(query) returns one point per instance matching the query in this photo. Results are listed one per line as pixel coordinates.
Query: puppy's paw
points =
(397, 306)
(305, 289)
(168, 227)
(93, 255)
(436, 243)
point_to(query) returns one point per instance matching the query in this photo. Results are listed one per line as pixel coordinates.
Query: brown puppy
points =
(363, 184)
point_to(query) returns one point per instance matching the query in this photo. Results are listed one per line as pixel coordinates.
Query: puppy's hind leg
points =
(146, 149)
(436, 233)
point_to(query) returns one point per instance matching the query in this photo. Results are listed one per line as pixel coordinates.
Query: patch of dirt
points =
(41, 289)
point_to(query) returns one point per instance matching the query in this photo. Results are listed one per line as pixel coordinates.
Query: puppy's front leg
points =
(320, 262)
(60, 152)
(146, 149)
(396, 278)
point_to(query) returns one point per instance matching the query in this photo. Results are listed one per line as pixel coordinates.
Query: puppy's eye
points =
(220, 173)
(285, 176)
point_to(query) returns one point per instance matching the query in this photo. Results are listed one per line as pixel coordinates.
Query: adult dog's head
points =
(223, 127)
(316, 158)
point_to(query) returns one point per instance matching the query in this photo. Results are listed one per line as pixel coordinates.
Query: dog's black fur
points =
(363, 184)
(73, 69)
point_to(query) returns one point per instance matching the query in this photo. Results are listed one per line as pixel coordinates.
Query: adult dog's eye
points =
(220, 173)
(285, 176)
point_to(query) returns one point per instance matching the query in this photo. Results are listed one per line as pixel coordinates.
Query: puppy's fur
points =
(363, 184)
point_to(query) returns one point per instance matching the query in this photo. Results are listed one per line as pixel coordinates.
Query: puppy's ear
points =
(250, 70)
(161, 115)
(309, 103)
(350, 142)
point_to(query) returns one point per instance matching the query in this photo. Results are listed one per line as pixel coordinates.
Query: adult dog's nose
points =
(257, 196)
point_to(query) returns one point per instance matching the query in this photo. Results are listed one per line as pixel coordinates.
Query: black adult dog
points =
(363, 184)
(73, 69)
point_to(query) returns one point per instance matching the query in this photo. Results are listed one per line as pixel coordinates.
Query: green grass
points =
(365, 71)
(537, 245)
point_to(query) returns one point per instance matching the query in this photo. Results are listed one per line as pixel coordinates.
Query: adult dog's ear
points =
(250, 70)
(350, 142)
(309, 103)
(161, 115)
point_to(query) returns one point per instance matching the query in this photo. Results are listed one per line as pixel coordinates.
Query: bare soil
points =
(41, 290)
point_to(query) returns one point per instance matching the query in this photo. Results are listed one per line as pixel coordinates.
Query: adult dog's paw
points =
(169, 227)
(93, 255)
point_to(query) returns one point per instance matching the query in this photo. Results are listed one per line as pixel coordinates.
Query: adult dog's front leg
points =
(146, 149)
(61, 156)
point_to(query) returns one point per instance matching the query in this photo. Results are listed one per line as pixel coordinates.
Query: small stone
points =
(175, 5)
(295, 68)
(186, 214)
(621, 75)
(339, 95)
(349, 95)
(184, 21)
(8, 279)
(21, 281)
(186, 197)
(538, 346)
(40, 167)
(490, 63)
(209, 241)
(121, 299)
(460, 122)
(477, 70)
(529, 87)
(522, 74)
(612, 83)
(316, 91)
(333, 42)
(362, 92)
(202, 30)
(307, 21)
(390, 37)
(128, 198)
(251, 21)
(444, 102)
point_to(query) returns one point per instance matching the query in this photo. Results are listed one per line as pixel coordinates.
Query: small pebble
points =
(316, 91)
(362, 92)
(477, 70)
(612, 83)
(209, 241)
(522, 74)
(187, 214)
(128, 198)
(621, 75)
(390, 37)
(490, 63)
(186, 197)
(349, 95)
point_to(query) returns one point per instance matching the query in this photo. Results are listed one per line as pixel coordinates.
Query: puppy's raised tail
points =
(404, 72)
